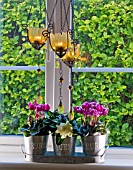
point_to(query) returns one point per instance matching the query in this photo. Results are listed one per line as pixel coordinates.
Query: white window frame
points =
(89, 69)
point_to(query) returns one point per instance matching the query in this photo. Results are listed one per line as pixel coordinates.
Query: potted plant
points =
(93, 132)
(64, 133)
(37, 129)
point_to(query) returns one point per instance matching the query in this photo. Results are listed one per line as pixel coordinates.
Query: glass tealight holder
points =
(60, 42)
(36, 37)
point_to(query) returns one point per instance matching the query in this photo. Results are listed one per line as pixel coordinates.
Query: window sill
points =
(12, 158)
(16, 161)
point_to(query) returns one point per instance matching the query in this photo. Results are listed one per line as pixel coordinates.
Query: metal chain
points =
(61, 14)
(72, 5)
(66, 14)
(39, 70)
(60, 81)
(49, 20)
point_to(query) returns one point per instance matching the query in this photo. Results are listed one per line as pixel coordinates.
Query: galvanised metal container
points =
(67, 148)
(35, 145)
(94, 145)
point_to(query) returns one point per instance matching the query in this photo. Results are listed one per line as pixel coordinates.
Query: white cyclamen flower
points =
(64, 129)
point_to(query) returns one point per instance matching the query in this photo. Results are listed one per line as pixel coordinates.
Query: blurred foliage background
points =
(105, 30)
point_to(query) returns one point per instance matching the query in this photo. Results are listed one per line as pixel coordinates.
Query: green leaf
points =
(59, 140)
(125, 126)
(24, 90)
(131, 46)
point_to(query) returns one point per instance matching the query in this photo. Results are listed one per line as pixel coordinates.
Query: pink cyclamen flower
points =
(85, 113)
(77, 109)
(105, 111)
(91, 109)
(38, 108)
(99, 107)
(47, 107)
(92, 112)
(31, 106)
(92, 104)
(85, 105)
(42, 107)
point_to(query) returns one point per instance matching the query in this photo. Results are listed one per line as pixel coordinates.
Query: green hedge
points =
(105, 29)
(19, 87)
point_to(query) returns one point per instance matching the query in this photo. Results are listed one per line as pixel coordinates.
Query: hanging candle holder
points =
(60, 42)
(34, 34)
(72, 54)
(36, 37)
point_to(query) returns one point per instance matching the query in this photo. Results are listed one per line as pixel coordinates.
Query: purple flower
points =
(105, 111)
(99, 107)
(47, 107)
(84, 113)
(38, 108)
(93, 104)
(31, 106)
(91, 109)
(85, 105)
(42, 107)
(77, 109)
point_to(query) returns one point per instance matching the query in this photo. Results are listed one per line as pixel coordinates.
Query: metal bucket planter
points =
(94, 146)
(35, 146)
(67, 148)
